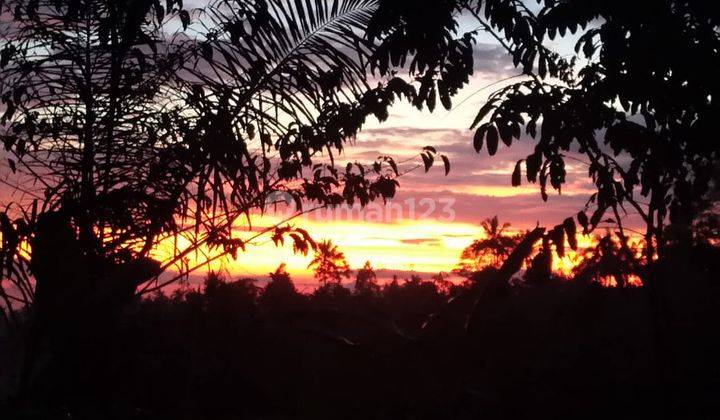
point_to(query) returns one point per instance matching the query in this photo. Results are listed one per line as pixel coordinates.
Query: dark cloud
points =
(421, 241)
(490, 58)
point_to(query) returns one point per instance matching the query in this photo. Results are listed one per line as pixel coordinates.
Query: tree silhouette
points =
(329, 263)
(125, 135)
(279, 296)
(366, 280)
(229, 301)
(280, 280)
(640, 117)
(490, 251)
(81, 83)
(441, 282)
(608, 262)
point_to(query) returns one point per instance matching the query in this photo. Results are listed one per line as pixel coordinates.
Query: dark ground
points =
(231, 351)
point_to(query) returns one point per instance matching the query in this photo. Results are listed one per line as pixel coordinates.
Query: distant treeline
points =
(408, 349)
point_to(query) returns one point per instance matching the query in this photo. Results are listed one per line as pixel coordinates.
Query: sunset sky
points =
(433, 217)
(447, 209)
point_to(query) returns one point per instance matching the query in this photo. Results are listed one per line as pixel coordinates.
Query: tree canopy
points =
(636, 100)
(329, 263)
(491, 250)
(129, 124)
(135, 122)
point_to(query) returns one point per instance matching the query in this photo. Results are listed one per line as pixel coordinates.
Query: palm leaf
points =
(267, 77)
(297, 54)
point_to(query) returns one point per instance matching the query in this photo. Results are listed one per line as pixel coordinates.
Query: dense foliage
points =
(637, 101)
(129, 123)
(233, 349)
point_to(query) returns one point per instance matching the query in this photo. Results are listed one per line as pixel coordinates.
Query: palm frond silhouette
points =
(329, 263)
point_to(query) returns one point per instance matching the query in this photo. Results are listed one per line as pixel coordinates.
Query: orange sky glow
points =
(436, 216)
(425, 228)
(446, 210)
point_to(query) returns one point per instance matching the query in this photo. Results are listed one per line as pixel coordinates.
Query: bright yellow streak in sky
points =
(428, 246)
(424, 246)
